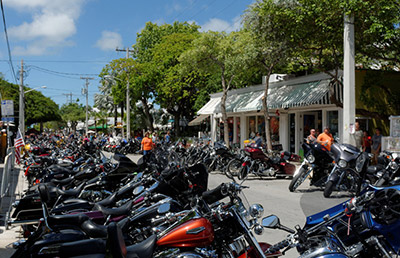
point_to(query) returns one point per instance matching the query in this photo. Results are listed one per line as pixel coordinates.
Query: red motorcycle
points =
(256, 162)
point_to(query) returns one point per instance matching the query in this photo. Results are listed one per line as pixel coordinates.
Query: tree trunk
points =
(115, 114)
(266, 113)
(176, 124)
(149, 117)
(223, 111)
(41, 127)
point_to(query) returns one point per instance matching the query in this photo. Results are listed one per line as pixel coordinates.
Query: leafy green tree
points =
(227, 54)
(316, 27)
(176, 90)
(73, 113)
(272, 48)
(38, 108)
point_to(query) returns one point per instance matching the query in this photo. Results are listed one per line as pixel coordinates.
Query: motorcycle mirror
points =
(138, 190)
(164, 208)
(271, 221)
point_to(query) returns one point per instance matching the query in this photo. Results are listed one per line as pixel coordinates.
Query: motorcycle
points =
(258, 163)
(318, 161)
(343, 176)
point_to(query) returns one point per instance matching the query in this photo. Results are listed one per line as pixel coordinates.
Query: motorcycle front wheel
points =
(233, 168)
(244, 171)
(298, 179)
(328, 189)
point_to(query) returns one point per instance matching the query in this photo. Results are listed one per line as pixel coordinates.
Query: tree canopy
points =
(38, 108)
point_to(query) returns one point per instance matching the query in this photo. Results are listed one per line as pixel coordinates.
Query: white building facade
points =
(296, 106)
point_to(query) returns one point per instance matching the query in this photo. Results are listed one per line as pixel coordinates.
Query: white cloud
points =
(109, 40)
(215, 24)
(53, 23)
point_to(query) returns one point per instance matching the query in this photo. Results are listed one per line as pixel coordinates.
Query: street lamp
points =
(128, 105)
(22, 108)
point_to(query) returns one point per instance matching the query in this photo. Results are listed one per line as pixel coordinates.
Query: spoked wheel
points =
(298, 179)
(233, 168)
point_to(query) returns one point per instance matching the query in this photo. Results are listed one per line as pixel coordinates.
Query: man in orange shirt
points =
(147, 144)
(325, 139)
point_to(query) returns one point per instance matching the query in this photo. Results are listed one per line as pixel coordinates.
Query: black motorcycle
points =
(317, 159)
(343, 176)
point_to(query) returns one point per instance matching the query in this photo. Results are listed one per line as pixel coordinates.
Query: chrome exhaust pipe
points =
(22, 222)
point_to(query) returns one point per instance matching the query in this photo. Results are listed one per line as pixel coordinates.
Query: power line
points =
(61, 61)
(8, 43)
(202, 9)
(63, 73)
(184, 10)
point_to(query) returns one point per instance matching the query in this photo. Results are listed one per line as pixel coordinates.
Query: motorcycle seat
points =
(109, 200)
(74, 219)
(143, 249)
(62, 181)
(94, 230)
(70, 192)
(123, 210)
(83, 248)
(374, 169)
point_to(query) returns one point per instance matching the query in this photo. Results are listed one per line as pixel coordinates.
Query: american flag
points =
(18, 143)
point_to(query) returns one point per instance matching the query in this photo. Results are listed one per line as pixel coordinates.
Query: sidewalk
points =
(7, 237)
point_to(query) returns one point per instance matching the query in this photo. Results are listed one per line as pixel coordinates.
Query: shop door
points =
(309, 121)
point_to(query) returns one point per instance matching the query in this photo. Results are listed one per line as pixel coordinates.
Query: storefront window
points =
(333, 122)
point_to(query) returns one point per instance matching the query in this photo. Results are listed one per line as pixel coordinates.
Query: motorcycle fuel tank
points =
(193, 233)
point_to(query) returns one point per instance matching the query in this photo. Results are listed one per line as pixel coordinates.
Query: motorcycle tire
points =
(328, 189)
(244, 171)
(298, 179)
(233, 168)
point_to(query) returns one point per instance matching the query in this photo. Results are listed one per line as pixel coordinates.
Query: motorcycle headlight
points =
(256, 210)
(342, 163)
(311, 158)
(393, 166)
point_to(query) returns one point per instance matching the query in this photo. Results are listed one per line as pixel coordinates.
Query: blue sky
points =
(59, 40)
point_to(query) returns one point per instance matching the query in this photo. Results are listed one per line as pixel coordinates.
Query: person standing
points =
(147, 145)
(366, 143)
(325, 138)
(376, 144)
(358, 136)
(168, 137)
(258, 140)
(312, 138)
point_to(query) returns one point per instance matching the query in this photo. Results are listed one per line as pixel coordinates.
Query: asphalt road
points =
(275, 197)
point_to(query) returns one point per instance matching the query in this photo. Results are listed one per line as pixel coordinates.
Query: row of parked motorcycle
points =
(82, 204)
(119, 145)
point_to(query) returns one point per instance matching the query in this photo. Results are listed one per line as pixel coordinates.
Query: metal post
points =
(21, 101)
(128, 103)
(349, 100)
(87, 100)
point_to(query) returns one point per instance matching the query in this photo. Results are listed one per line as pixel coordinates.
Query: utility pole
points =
(349, 99)
(128, 100)
(70, 95)
(86, 91)
(21, 101)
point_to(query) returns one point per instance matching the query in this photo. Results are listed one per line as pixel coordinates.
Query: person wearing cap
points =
(325, 138)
